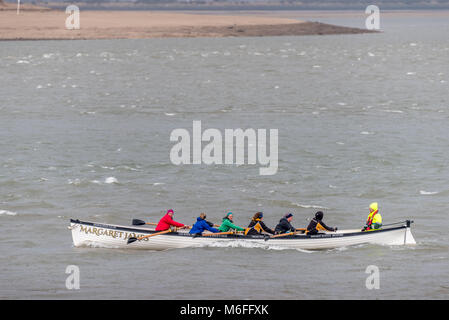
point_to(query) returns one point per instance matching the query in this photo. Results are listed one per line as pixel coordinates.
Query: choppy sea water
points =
(85, 128)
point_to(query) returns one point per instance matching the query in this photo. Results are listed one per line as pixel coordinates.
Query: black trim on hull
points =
(237, 236)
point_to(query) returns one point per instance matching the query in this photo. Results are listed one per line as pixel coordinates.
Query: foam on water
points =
(250, 245)
(94, 244)
(310, 206)
(111, 180)
(422, 192)
(393, 111)
(7, 213)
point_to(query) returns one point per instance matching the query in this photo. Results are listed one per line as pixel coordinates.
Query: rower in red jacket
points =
(167, 221)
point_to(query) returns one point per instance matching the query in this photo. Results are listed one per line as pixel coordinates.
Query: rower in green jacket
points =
(228, 224)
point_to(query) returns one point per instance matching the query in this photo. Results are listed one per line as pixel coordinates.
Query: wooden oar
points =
(289, 233)
(137, 222)
(133, 239)
(283, 235)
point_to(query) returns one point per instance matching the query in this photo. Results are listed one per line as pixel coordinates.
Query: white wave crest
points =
(8, 213)
(393, 111)
(111, 180)
(427, 192)
(75, 182)
(308, 206)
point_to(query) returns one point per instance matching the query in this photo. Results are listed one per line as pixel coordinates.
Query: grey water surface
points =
(85, 133)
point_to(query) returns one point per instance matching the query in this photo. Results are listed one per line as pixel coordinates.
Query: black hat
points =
(319, 215)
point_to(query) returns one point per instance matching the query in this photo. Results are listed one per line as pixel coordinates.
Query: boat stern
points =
(408, 238)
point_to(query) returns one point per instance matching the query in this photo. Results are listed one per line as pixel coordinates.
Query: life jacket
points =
(369, 222)
(256, 227)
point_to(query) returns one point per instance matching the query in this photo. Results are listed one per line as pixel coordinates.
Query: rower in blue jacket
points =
(202, 225)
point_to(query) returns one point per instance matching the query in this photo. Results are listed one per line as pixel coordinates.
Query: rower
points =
(202, 225)
(256, 226)
(284, 224)
(167, 221)
(228, 224)
(374, 221)
(317, 225)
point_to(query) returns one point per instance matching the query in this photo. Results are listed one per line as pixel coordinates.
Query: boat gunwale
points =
(238, 236)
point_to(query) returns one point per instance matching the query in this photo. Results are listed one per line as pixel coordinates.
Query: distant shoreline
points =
(197, 5)
(36, 24)
(223, 6)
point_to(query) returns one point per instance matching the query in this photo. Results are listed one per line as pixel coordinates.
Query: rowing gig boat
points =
(91, 234)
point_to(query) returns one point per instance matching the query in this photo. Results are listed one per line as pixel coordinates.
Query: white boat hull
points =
(114, 236)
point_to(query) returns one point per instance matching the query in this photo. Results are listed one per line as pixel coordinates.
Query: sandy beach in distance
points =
(50, 25)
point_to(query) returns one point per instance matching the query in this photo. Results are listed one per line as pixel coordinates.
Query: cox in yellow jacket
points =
(374, 221)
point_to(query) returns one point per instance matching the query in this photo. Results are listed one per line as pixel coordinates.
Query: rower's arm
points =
(326, 227)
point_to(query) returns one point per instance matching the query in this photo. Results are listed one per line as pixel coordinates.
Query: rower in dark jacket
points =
(256, 226)
(317, 224)
(284, 224)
